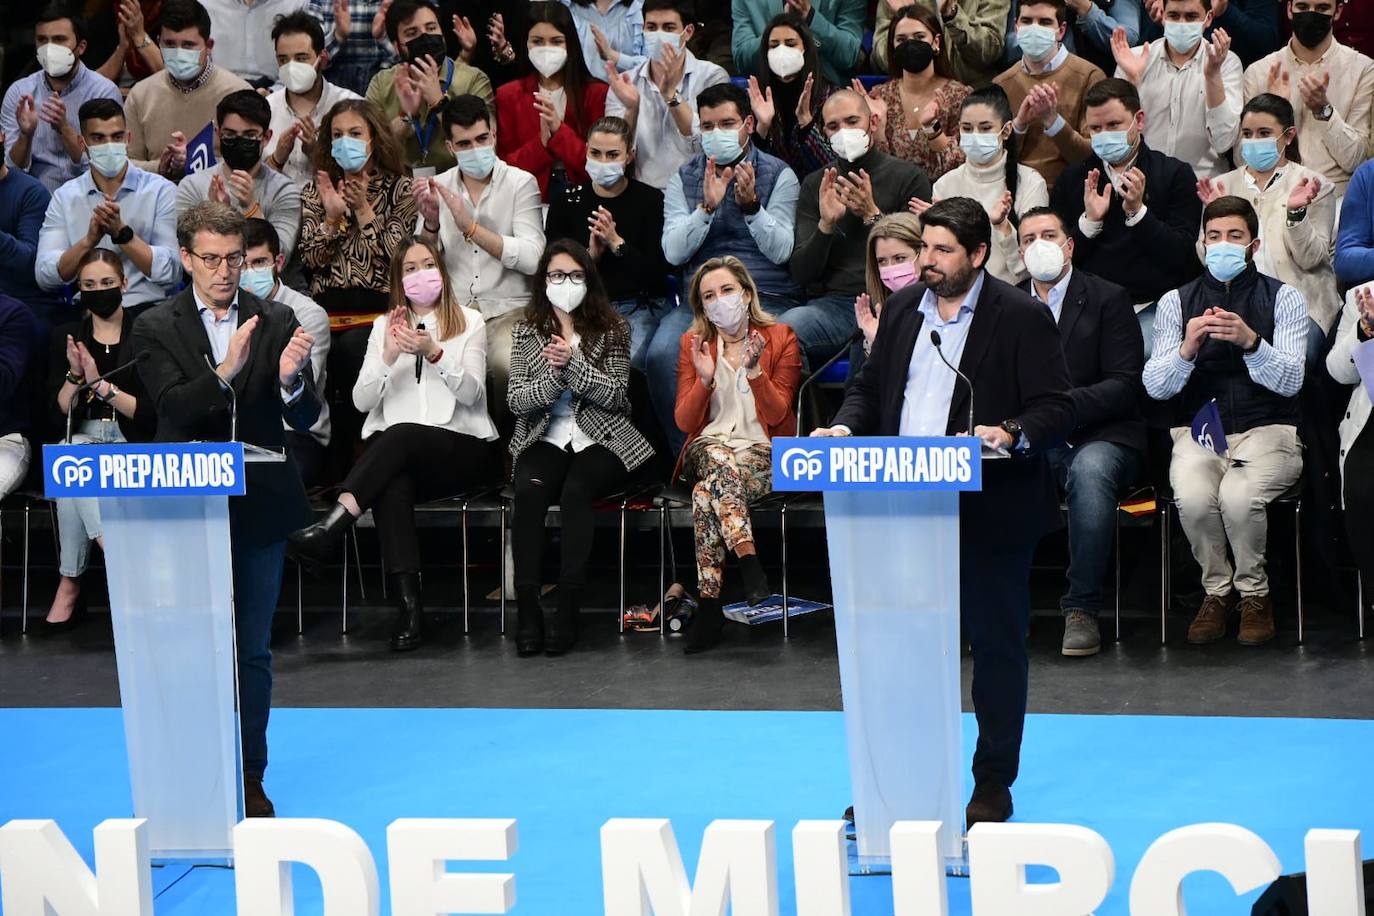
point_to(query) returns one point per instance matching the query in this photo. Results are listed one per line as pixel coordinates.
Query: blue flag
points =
(1207, 431)
(200, 150)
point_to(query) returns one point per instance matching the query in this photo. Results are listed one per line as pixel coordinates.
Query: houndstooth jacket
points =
(599, 380)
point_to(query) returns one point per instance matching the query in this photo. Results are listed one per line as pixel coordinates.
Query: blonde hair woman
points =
(737, 374)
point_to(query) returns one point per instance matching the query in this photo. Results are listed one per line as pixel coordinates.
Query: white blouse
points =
(734, 415)
(451, 393)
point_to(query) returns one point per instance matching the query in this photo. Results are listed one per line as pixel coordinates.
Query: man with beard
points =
(1008, 346)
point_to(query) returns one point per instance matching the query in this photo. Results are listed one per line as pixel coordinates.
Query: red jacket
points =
(517, 131)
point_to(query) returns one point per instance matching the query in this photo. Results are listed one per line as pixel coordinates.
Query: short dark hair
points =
(61, 9)
(720, 94)
(260, 232)
(966, 219)
(208, 216)
(682, 7)
(1103, 91)
(1061, 11)
(247, 104)
(402, 10)
(300, 23)
(99, 110)
(179, 15)
(1046, 211)
(1206, 4)
(463, 111)
(1230, 205)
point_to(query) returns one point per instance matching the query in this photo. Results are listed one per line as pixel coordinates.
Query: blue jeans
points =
(660, 360)
(1092, 477)
(823, 325)
(643, 316)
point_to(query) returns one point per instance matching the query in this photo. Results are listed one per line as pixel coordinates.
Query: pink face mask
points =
(424, 286)
(898, 276)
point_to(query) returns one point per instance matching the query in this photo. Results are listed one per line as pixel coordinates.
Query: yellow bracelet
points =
(467, 236)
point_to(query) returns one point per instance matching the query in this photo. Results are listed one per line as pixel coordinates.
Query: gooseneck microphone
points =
(419, 360)
(71, 405)
(843, 351)
(233, 401)
(935, 339)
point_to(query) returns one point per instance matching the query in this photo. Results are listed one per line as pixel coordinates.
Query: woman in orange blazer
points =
(737, 375)
(542, 118)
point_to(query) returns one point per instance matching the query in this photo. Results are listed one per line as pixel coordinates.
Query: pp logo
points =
(69, 471)
(1204, 438)
(802, 464)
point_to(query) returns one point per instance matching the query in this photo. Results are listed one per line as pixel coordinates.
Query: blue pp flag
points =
(1207, 431)
(200, 151)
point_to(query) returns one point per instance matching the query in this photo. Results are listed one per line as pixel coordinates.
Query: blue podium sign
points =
(144, 470)
(883, 463)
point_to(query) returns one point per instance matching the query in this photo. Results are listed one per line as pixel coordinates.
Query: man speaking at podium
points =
(208, 348)
(1007, 348)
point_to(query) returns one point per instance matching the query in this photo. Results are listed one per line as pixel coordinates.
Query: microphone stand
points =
(801, 389)
(935, 339)
(233, 401)
(71, 405)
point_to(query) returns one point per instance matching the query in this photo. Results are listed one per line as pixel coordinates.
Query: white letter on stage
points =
(918, 870)
(642, 873)
(999, 853)
(821, 865)
(42, 875)
(1238, 855)
(1335, 875)
(264, 850)
(418, 850)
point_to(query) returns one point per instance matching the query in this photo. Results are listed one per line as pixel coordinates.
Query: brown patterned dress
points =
(359, 256)
(897, 140)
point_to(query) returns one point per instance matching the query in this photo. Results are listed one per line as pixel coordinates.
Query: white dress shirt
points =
(1057, 292)
(242, 30)
(299, 167)
(510, 207)
(315, 320)
(563, 430)
(451, 393)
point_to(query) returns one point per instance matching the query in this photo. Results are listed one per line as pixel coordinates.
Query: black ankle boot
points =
(756, 587)
(529, 627)
(567, 620)
(707, 626)
(409, 631)
(319, 541)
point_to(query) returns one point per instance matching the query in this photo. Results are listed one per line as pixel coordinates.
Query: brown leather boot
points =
(255, 800)
(1256, 620)
(1210, 623)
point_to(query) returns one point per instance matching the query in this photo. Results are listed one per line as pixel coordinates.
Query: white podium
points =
(892, 524)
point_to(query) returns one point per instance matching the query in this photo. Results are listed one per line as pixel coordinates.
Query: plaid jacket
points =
(362, 48)
(599, 380)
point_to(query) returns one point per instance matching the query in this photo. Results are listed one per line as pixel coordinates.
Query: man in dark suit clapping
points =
(200, 344)
(1007, 345)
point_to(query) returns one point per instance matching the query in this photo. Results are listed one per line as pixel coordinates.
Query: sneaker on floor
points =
(1256, 620)
(1080, 634)
(1210, 623)
(990, 804)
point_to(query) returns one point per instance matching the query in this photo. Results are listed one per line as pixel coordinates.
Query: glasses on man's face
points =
(213, 261)
(556, 277)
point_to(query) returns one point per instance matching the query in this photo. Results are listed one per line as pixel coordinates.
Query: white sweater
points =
(986, 184)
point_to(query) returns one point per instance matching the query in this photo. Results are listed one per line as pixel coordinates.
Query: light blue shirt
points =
(219, 330)
(772, 227)
(929, 382)
(623, 26)
(147, 204)
(1057, 292)
(48, 159)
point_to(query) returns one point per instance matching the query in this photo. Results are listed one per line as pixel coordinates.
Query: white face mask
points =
(566, 296)
(548, 60)
(653, 42)
(1044, 259)
(729, 313)
(785, 61)
(849, 143)
(57, 60)
(297, 77)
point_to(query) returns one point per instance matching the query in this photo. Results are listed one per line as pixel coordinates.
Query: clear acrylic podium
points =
(894, 570)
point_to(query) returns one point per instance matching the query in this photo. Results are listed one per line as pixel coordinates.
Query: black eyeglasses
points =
(556, 277)
(213, 261)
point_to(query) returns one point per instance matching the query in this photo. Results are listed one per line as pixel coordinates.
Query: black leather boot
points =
(529, 627)
(409, 631)
(320, 541)
(567, 620)
(756, 587)
(707, 626)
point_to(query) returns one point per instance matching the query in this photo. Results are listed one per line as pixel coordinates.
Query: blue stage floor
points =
(563, 773)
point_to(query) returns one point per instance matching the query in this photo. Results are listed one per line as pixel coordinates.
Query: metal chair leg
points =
(25, 582)
(300, 601)
(502, 587)
(358, 559)
(344, 627)
(662, 571)
(1359, 600)
(466, 602)
(786, 607)
(1297, 550)
(1117, 535)
(1164, 573)
(624, 504)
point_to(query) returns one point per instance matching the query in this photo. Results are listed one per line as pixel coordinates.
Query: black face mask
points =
(241, 153)
(1311, 29)
(914, 56)
(102, 303)
(427, 45)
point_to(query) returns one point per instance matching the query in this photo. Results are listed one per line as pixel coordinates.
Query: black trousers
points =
(546, 475)
(346, 352)
(994, 584)
(409, 463)
(1359, 506)
(309, 455)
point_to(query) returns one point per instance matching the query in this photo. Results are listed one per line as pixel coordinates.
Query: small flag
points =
(1207, 431)
(200, 151)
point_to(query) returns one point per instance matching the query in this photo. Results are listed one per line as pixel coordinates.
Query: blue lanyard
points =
(424, 136)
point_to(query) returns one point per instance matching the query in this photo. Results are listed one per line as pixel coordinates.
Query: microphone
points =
(935, 339)
(854, 338)
(419, 360)
(71, 405)
(233, 401)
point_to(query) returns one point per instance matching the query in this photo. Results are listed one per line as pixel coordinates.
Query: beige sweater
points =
(1050, 155)
(155, 108)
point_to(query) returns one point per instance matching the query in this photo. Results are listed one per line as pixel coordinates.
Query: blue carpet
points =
(563, 773)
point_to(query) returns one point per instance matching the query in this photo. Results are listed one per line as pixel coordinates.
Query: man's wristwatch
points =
(675, 101)
(1012, 429)
(1254, 347)
(1326, 113)
(124, 236)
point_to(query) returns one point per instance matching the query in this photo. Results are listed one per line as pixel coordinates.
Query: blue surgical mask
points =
(1037, 41)
(653, 41)
(258, 280)
(477, 162)
(980, 149)
(1183, 36)
(721, 143)
(1261, 154)
(1226, 260)
(606, 174)
(183, 64)
(350, 153)
(109, 159)
(1112, 146)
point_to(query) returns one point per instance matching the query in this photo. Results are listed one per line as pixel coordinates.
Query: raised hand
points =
(856, 189)
(1278, 82)
(801, 7)
(929, 113)
(286, 145)
(1132, 64)
(53, 112)
(309, 132)
(496, 33)
(242, 188)
(1304, 192)
(1132, 191)
(26, 113)
(875, 104)
(674, 61)
(73, 356)
(557, 352)
(1209, 189)
(334, 207)
(804, 114)
(831, 205)
(391, 348)
(603, 47)
(702, 360)
(1156, 11)
(379, 21)
(217, 192)
(917, 206)
(753, 349)
(865, 317)
(413, 341)
(173, 158)
(1312, 87)
(1216, 51)
(131, 22)
(427, 199)
(1095, 202)
(240, 345)
(1364, 302)
(89, 370)
(761, 101)
(1194, 335)
(746, 192)
(407, 91)
(425, 72)
(294, 357)
(999, 213)
(714, 184)
(456, 207)
(343, 22)
(467, 35)
(354, 192)
(549, 118)
(623, 88)
(1230, 327)
(110, 217)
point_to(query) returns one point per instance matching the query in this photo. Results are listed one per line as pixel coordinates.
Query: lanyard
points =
(423, 136)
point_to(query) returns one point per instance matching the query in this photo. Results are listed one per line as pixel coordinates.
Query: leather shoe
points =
(408, 632)
(1210, 623)
(317, 543)
(566, 624)
(529, 628)
(255, 800)
(1256, 620)
(990, 804)
(706, 628)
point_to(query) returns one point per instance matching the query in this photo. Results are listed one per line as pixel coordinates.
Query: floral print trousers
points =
(726, 483)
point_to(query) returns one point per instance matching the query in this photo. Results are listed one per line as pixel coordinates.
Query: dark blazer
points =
(191, 403)
(1015, 362)
(1157, 254)
(1106, 355)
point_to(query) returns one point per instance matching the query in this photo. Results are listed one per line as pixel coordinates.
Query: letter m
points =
(642, 871)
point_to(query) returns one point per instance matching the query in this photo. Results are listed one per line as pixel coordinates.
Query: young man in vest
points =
(1236, 337)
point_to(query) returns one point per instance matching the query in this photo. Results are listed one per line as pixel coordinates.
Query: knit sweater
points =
(156, 108)
(1050, 155)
